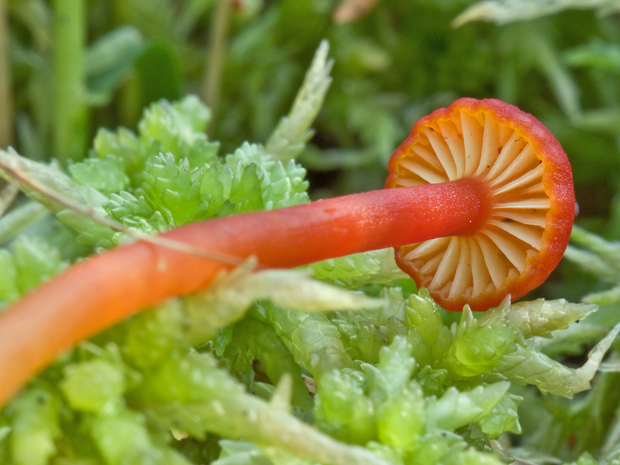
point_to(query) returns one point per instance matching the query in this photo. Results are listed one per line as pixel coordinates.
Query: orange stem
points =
(94, 294)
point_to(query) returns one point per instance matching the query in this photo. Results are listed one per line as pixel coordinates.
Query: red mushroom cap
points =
(531, 202)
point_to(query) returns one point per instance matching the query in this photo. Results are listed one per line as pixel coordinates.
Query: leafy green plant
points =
(264, 366)
(155, 388)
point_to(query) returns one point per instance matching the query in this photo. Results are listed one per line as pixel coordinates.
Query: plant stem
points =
(70, 131)
(6, 107)
(217, 51)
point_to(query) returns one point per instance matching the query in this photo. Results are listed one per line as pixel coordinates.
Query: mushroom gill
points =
(465, 143)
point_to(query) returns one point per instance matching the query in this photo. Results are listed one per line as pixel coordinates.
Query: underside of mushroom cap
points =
(532, 202)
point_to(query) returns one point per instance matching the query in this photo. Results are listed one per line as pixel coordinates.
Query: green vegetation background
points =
(396, 62)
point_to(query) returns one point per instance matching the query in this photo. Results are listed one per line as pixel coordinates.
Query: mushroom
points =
(530, 197)
(482, 171)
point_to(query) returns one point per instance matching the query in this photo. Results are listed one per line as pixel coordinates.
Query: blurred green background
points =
(68, 67)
